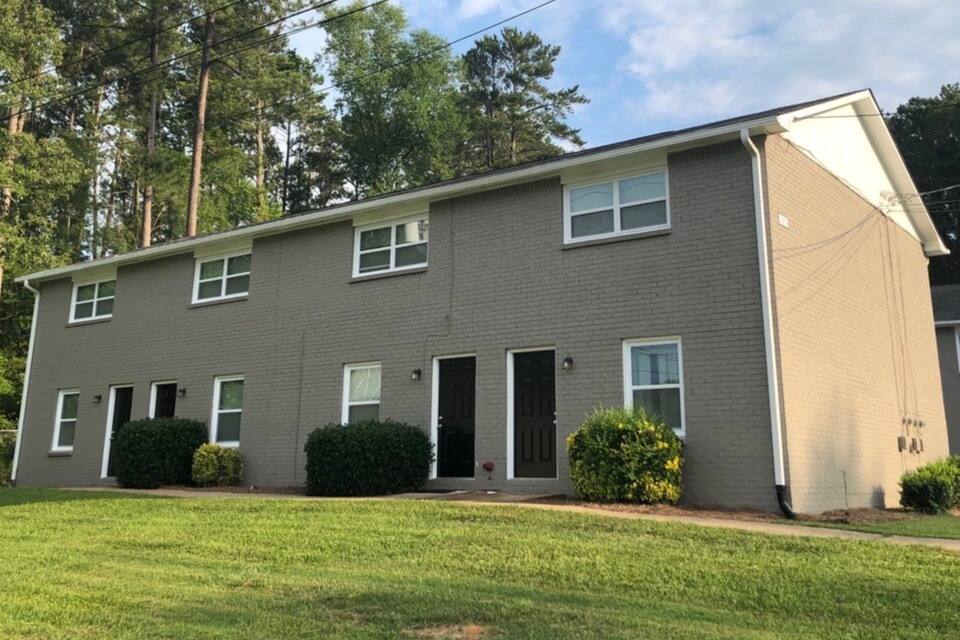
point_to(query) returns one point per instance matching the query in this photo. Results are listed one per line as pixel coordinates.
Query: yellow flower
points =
(673, 464)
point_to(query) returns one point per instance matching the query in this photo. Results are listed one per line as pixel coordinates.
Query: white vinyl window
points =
(653, 379)
(361, 392)
(616, 207)
(92, 301)
(222, 278)
(390, 247)
(65, 426)
(227, 411)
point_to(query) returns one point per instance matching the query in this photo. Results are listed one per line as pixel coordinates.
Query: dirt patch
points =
(451, 632)
(859, 516)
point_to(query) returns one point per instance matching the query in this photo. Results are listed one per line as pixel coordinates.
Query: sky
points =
(649, 66)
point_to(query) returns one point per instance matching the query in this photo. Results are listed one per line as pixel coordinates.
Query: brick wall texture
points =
(500, 278)
(856, 340)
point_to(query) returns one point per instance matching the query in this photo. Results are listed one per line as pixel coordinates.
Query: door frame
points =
(511, 400)
(435, 407)
(106, 439)
(153, 396)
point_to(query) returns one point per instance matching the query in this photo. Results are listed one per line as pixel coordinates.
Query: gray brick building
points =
(746, 279)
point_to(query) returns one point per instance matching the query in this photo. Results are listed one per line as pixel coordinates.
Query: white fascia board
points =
(947, 323)
(765, 125)
(865, 105)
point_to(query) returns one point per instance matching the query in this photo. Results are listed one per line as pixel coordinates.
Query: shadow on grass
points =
(14, 496)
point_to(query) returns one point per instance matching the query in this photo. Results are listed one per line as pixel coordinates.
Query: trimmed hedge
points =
(158, 451)
(624, 455)
(367, 458)
(933, 488)
(214, 466)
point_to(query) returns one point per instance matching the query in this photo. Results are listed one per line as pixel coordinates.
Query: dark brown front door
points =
(534, 415)
(165, 403)
(455, 418)
(122, 407)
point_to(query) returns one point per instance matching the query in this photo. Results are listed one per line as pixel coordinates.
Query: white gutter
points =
(768, 124)
(26, 381)
(763, 253)
(947, 323)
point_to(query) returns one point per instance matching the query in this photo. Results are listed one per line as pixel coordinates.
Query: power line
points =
(413, 58)
(168, 61)
(94, 56)
(885, 114)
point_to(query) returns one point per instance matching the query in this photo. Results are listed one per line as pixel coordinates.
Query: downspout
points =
(26, 382)
(773, 385)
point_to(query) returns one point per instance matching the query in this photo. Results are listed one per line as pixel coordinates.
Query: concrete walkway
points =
(500, 499)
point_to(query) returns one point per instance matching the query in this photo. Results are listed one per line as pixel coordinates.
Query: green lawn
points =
(922, 526)
(85, 565)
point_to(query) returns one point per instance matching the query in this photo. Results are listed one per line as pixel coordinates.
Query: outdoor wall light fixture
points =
(415, 374)
(181, 392)
(97, 399)
(567, 363)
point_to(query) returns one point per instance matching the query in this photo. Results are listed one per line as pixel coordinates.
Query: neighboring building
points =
(946, 317)
(755, 281)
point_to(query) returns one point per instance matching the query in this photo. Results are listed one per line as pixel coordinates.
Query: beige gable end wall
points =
(855, 335)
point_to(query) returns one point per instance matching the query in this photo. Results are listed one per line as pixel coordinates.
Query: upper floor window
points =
(92, 301)
(390, 247)
(222, 278)
(653, 379)
(616, 207)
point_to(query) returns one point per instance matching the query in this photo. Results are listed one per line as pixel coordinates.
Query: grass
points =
(108, 565)
(916, 525)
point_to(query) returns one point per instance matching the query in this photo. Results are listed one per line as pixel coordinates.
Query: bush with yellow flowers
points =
(624, 455)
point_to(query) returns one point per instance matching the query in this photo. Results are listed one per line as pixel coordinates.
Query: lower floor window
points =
(653, 379)
(227, 411)
(361, 392)
(65, 428)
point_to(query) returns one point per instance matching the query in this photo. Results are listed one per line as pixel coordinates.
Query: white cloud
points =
(703, 59)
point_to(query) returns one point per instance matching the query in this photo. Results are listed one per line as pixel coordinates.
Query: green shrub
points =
(214, 466)
(367, 458)
(8, 444)
(932, 488)
(624, 455)
(157, 451)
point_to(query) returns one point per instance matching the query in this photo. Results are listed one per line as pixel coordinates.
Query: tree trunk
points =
(12, 127)
(73, 103)
(193, 200)
(112, 199)
(146, 236)
(286, 172)
(95, 187)
(261, 189)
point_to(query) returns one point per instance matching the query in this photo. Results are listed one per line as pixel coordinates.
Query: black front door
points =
(166, 400)
(455, 418)
(122, 406)
(534, 415)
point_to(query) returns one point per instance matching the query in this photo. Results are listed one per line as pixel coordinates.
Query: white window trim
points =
(223, 257)
(57, 420)
(215, 413)
(104, 467)
(956, 336)
(393, 224)
(617, 232)
(153, 396)
(94, 317)
(346, 404)
(628, 387)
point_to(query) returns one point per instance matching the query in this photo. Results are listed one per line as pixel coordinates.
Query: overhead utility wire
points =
(99, 54)
(61, 98)
(388, 67)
